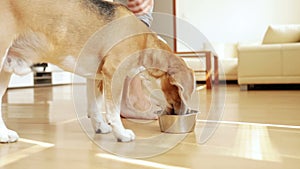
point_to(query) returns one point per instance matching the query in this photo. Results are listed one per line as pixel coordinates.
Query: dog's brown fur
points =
(48, 31)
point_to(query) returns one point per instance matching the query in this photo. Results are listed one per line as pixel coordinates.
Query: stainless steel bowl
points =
(178, 123)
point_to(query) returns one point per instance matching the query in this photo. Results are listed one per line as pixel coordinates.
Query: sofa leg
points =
(243, 87)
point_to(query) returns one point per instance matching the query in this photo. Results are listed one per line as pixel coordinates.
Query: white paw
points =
(101, 127)
(8, 136)
(125, 136)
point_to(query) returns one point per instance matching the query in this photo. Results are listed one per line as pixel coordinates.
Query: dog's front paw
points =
(8, 136)
(125, 135)
(101, 127)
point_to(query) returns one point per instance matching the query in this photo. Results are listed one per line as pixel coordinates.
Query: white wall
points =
(227, 21)
(237, 20)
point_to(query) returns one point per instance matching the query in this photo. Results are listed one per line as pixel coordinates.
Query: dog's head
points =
(177, 79)
(180, 79)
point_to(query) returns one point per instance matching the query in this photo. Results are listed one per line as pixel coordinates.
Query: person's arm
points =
(140, 7)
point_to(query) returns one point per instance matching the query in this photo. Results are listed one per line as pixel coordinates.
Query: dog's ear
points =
(164, 61)
(182, 77)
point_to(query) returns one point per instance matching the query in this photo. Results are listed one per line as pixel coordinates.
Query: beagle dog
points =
(102, 41)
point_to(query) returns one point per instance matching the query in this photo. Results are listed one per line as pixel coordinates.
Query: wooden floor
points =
(249, 129)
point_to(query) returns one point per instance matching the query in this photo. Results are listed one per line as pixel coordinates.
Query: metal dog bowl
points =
(178, 123)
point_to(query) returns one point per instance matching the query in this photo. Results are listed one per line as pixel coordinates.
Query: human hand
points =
(140, 7)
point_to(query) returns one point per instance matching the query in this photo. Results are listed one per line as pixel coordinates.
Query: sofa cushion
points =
(282, 34)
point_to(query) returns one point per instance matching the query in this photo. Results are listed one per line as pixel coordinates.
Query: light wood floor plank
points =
(258, 129)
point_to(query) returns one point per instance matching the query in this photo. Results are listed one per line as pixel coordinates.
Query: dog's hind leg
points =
(95, 106)
(6, 135)
(113, 114)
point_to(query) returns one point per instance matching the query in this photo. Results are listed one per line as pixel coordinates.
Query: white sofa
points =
(275, 61)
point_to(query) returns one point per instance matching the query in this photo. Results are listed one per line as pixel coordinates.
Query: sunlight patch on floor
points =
(251, 124)
(141, 163)
(23, 153)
